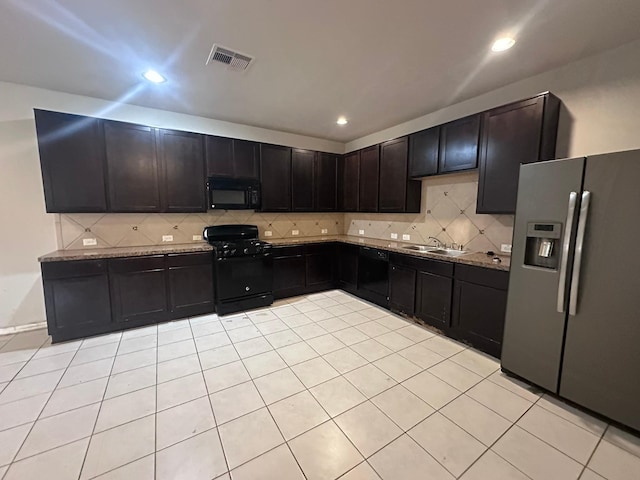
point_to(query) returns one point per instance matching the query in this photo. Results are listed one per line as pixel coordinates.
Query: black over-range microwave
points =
(233, 194)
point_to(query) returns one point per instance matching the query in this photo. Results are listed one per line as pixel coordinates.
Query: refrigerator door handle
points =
(562, 282)
(577, 260)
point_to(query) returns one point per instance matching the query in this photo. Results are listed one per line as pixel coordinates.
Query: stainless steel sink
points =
(447, 252)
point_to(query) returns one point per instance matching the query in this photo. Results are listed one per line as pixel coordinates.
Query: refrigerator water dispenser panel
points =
(542, 248)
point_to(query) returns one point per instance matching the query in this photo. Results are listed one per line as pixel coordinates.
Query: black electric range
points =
(243, 268)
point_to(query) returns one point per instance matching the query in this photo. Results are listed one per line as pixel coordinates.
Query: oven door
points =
(239, 277)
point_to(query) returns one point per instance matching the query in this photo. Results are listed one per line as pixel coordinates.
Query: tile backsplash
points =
(448, 213)
(137, 229)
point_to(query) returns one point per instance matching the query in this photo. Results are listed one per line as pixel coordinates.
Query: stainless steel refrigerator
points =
(573, 310)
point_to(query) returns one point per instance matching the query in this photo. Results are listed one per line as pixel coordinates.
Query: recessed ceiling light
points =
(502, 44)
(154, 76)
(342, 121)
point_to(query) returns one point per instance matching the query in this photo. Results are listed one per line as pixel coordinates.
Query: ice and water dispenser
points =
(543, 245)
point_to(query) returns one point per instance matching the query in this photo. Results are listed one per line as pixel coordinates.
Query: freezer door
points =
(534, 328)
(601, 367)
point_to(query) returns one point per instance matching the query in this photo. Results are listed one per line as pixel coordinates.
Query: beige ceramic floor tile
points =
(361, 472)
(479, 363)
(481, 422)
(402, 406)
(314, 371)
(398, 367)
(179, 367)
(278, 385)
(59, 464)
(217, 357)
(325, 344)
(614, 463)
(123, 409)
(337, 396)
(30, 386)
(184, 421)
(500, 400)
(455, 375)
(394, 341)
(143, 469)
(226, 376)
(197, 458)
(277, 464)
(370, 380)
(431, 389)
(235, 402)
(297, 414)
(22, 411)
(371, 350)
(421, 356)
(180, 391)
(297, 353)
(491, 466)
(252, 347)
(345, 360)
(10, 442)
(264, 364)
(130, 381)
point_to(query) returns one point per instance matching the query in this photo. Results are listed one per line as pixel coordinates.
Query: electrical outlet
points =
(394, 236)
(360, 232)
(295, 232)
(406, 236)
(89, 242)
(323, 231)
(167, 238)
(505, 247)
(268, 233)
(196, 237)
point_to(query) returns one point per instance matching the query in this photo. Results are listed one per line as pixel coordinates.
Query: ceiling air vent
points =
(234, 60)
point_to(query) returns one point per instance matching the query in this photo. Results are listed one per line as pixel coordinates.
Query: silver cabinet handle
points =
(562, 281)
(577, 259)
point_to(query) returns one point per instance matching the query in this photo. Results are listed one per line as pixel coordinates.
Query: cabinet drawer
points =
(438, 267)
(483, 276)
(76, 268)
(186, 259)
(294, 251)
(134, 264)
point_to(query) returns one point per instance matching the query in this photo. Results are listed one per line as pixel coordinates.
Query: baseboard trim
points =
(22, 328)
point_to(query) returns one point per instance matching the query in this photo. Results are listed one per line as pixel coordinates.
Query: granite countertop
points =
(474, 258)
(115, 252)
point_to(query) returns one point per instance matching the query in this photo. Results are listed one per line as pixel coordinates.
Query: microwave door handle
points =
(577, 259)
(562, 281)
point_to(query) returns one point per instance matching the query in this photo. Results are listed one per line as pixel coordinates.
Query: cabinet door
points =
(511, 136)
(182, 159)
(478, 315)
(350, 182)
(76, 298)
(368, 188)
(219, 152)
(190, 277)
(246, 159)
(393, 175)
(326, 182)
(348, 267)
(423, 152)
(320, 267)
(72, 161)
(433, 299)
(402, 289)
(133, 181)
(138, 289)
(459, 142)
(302, 181)
(289, 271)
(275, 174)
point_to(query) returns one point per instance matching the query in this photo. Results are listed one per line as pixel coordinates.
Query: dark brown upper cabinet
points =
(369, 175)
(397, 193)
(349, 182)
(302, 180)
(232, 158)
(275, 174)
(326, 182)
(459, 141)
(424, 148)
(72, 161)
(183, 171)
(132, 163)
(521, 132)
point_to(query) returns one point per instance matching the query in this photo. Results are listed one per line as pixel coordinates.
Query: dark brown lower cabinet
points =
(320, 261)
(433, 299)
(76, 298)
(139, 289)
(402, 289)
(347, 267)
(479, 306)
(190, 278)
(289, 271)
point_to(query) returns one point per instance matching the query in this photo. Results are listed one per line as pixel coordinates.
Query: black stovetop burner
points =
(235, 240)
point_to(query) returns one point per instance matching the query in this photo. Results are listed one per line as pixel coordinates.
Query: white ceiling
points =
(377, 62)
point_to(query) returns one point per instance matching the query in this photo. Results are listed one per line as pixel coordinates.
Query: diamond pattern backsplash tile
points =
(448, 213)
(129, 230)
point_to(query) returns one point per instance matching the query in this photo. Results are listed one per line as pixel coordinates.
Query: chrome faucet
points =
(440, 244)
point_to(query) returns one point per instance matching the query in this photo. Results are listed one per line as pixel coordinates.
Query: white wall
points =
(26, 230)
(601, 96)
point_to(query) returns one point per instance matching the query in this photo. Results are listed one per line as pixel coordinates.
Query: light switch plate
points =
(196, 237)
(505, 247)
(406, 236)
(268, 233)
(295, 232)
(167, 238)
(360, 232)
(394, 236)
(324, 230)
(89, 242)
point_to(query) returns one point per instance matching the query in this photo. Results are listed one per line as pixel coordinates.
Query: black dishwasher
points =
(373, 275)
